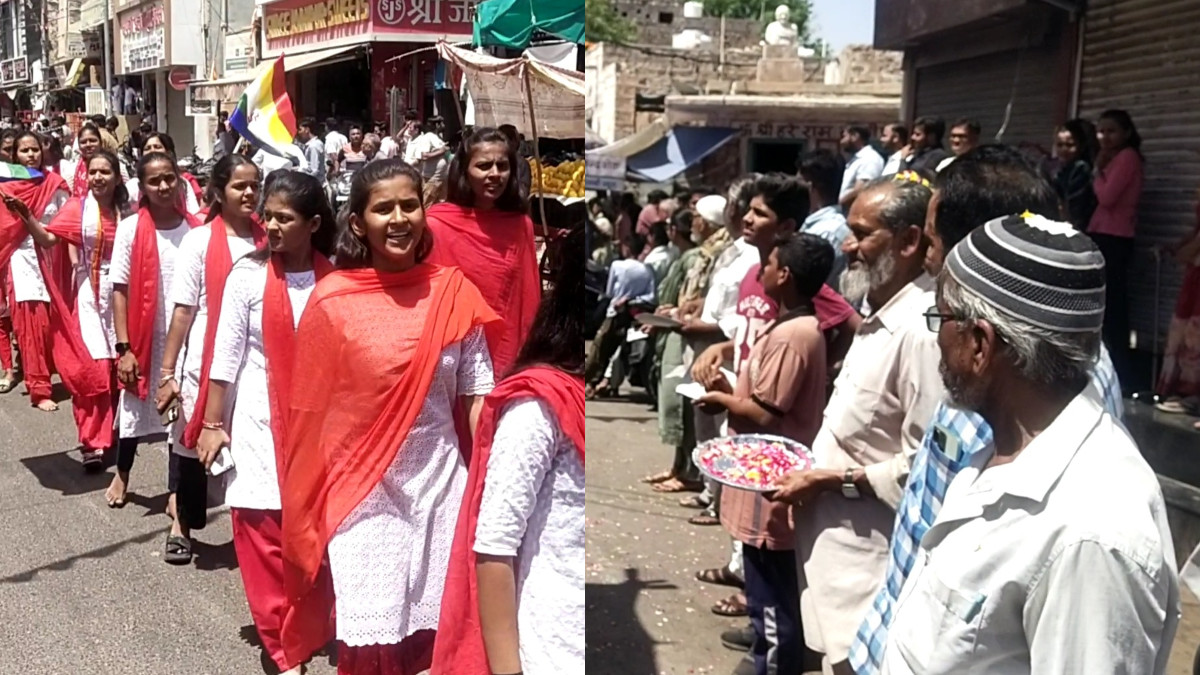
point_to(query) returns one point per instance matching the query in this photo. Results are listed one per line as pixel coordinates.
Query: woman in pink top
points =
(1118, 187)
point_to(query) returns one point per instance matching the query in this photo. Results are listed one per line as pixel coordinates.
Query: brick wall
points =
(656, 22)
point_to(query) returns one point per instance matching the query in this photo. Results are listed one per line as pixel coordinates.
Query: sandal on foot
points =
(93, 461)
(658, 478)
(704, 519)
(673, 485)
(7, 386)
(730, 607)
(178, 550)
(720, 576)
(694, 502)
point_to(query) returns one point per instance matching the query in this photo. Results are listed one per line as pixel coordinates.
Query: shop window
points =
(666, 17)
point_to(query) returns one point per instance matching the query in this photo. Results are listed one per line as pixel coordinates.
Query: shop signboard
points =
(454, 17)
(239, 52)
(14, 70)
(303, 23)
(603, 172)
(143, 37)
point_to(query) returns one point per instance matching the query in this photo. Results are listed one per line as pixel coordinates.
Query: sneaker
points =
(93, 460)
(738, 639)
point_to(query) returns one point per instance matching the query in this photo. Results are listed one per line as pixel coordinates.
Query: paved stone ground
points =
(83, 588)
(646, 614)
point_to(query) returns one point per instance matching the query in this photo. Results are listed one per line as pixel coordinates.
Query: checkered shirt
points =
(928, 481)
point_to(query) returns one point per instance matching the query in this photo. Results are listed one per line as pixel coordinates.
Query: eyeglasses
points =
(934, 319)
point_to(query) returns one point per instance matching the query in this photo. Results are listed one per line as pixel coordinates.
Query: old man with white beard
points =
(882, 400)
(1051, 552)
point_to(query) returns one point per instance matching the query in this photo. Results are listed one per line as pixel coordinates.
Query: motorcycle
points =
(637, 358)
(200, 168)
(339, 189)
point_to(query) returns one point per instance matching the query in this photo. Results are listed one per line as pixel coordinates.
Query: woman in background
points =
(74, 171)
(1074, 147)
(484, 230)
(1179, 380)
(189, 186)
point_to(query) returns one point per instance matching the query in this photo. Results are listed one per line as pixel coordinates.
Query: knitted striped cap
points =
(1043, 272)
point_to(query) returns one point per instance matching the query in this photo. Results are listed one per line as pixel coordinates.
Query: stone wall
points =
(861, 64)
(656, 22)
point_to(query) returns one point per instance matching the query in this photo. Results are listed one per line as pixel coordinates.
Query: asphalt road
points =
(83, 588)
(646, 614)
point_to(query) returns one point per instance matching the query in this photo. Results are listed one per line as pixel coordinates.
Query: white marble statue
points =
(781, 31)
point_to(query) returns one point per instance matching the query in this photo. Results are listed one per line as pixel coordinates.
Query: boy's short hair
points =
(786, 196)
(808, 257)
(658, 234)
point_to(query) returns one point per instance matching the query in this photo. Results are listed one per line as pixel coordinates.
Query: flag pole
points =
(537, 151)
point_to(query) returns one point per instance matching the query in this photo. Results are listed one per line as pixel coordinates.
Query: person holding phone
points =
(265, 295)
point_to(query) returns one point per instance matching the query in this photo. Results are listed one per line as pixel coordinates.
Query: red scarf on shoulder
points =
(373, 341)
(279, 344)
(144, 276)
(82, 375)
(79, 182)
(495, 249)
(459, 648)
(217, 263)
(37, 195)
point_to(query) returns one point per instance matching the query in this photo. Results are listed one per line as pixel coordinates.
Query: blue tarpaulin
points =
(681, 148)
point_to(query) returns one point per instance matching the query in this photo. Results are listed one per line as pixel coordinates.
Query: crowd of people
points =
(391, 394)
(937, 328)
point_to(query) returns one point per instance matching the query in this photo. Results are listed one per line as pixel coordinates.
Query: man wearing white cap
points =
(1051, 552)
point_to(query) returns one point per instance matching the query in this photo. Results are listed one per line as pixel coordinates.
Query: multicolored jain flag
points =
(264, 115)
(17, 172)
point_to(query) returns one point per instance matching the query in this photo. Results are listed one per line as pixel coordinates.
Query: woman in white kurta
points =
(88, 226)
(75, 171)
(250, 369)
(188, 188)
(30, 300)
(139, 417)
(234, 198)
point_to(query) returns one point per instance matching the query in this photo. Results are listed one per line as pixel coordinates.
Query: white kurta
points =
(532, 510)
(189, 196)
(390, 556)
(28, 283)
(140, 418)
(95, 313)
(188, 288)
(238, 358)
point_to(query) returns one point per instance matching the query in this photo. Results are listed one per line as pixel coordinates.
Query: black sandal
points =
(178, 550)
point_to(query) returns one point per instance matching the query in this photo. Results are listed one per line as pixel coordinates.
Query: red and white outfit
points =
(191, 191)
(374, 474)
(240, 358)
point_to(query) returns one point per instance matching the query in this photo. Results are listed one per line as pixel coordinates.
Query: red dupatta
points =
(144, 276)
(373, 341)
(79, 182)
(217, 263)
(279, 344)
(458, 648)
(37, 195)
(495, 249)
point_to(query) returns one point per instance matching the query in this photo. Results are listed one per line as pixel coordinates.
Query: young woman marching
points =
(373, 472)
(190, 187)
(265, 296)
(81, 319)
(514, 593)
(29, 299)
(205, 258)
(145, 251)
(483, 230)
(75, 171)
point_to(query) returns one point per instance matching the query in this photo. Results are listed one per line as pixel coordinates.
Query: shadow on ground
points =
(63, 472)
(617, 644)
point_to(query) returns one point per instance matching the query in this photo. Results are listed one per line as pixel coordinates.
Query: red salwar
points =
(258, 542)
(31, 322)
(413, 655)
(6, 352)
(95, 416)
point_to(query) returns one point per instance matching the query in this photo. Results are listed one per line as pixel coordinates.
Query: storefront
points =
(161, 47)
(353, 40)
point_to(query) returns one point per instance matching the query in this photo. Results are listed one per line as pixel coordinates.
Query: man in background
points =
(895, 137)
(822, 170)
(524, 172)
(964, 137)
(865, 164)
(313, 148)
(334, 139)
(427, 152)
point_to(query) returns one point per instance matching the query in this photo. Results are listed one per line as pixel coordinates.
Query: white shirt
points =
(1058, 562)
(28, 283)
(388, 147)
(882, 400)
(533, 510)
(421, 145)
(894, 163)
(866, 165)
(269, 163)
(946, 162)
(731, 267)
(238, 358)
(334, 142)
(188, 288)
(660, 258)
(629, 279)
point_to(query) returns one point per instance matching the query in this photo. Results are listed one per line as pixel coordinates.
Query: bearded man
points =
(1051, 552)
(889, 386)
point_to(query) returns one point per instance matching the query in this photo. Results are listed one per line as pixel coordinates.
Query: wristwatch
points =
(122, 348)
(849, 489)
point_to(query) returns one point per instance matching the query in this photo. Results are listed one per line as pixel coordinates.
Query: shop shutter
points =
(983, 88)
(1142, 56)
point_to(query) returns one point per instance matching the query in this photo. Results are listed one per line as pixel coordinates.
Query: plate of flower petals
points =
(753, 462)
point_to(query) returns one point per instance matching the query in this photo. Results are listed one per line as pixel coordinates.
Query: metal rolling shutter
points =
(1142, 56)
(982, 87)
